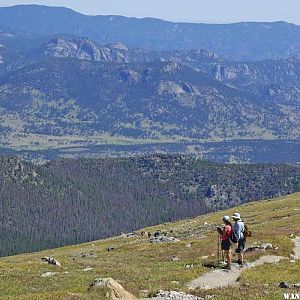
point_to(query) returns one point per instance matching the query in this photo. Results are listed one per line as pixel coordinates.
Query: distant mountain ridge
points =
(240, 41)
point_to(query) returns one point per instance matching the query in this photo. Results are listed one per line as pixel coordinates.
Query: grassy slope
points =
(139, 265)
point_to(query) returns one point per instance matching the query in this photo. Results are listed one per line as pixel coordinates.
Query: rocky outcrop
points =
(84, 49)
(273, 75)
(285, 285)
(6, 34)
(13, 168)
(263, 247)
(48, 274)
(51, 261)
(130, 76)
(173, 295)
(160, 237)
(116, 291)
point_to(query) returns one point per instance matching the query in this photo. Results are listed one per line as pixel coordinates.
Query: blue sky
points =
(212, 11)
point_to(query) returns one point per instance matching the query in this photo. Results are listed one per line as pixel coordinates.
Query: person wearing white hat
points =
(225, 234)
(239, 229)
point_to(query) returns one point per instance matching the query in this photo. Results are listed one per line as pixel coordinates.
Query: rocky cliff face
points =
(284, 72)
(275, 82)
(82, 48)
(85, 49)
(2, 54)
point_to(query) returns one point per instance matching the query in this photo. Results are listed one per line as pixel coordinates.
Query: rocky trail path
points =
(221, 278)
(297, 247)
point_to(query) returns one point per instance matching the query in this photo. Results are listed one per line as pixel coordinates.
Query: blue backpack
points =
(234, 237)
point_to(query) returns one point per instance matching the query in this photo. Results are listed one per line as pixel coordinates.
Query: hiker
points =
(239, 229)
(225, 234)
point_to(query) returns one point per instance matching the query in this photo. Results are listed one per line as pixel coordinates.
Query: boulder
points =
(173, 295)
(189, 266)
(163, 239)
(174, 258)
(48, 274)
(131, 235)
(157, 233)
(51, 261)
(87, 269)
(117, 291)
(283, 285)
(85, 255)
(264, 247)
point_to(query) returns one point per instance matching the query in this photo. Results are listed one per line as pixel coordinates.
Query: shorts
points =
(225, 245)
(241, 245)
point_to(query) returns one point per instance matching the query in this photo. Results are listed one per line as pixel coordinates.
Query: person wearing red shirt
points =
(225, 240)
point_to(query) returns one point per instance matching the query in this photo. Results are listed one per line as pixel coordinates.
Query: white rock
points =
(48, 274)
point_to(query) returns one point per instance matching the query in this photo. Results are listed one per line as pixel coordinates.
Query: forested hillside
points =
(70, 201)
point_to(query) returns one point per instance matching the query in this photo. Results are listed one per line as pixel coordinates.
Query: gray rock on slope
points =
(173, 295)
(117, 291)
(51, 261)
(265, 246)
(163, 239)
(48, 274)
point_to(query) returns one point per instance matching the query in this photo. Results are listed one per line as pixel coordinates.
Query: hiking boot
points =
(240, 262)
(227, 267)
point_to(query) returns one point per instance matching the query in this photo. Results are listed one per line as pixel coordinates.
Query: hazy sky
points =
(219, 11)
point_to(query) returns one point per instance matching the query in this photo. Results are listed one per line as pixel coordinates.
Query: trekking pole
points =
(218, 247)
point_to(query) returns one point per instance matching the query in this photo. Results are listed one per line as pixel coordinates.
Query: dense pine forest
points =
(69, 201)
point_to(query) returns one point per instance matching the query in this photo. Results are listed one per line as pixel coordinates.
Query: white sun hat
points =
(236, 216)
(226, 218)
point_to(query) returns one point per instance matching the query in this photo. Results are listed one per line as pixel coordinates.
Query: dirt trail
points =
(222, 278)
(297, 247)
